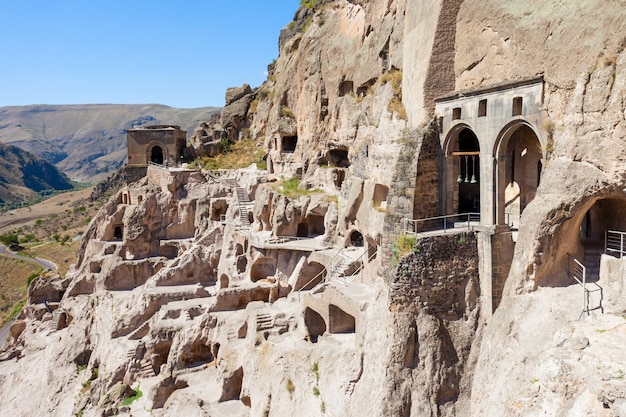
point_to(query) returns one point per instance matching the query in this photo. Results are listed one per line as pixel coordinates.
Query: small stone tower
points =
(159, 144)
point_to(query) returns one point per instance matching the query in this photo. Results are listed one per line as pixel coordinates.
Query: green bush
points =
(8, 239)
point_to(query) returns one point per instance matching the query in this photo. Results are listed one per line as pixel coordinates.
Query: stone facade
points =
(160, 144)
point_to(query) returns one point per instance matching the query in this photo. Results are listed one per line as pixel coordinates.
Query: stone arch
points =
(262, 268)
(314, 323)
(519, 154)
(224, 281)
(356, 239)
(118, 232)
(463, 179)
(311, 274)
(581, 236)
(156, 152)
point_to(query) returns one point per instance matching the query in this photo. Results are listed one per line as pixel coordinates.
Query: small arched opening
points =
(314, 323)
(157, 155)
(262, 268)
(518, 171)
(463, 156)
(224, 281)
(338, 157)
(311, 274)
(356, 239)
(118, 232)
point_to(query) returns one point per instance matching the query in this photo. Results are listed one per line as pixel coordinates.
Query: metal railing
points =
(322, 274)
(578, 271)
(615, 243)
(450, 221)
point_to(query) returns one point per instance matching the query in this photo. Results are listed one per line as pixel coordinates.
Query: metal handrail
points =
(412, 225)
(615, 241)
(578, 271)
(323, 271)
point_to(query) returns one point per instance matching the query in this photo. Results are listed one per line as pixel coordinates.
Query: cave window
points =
(456, 113)
(482, 108)
(380, 196)
(314, 323)
(338, 158)
(289, 144)
(517, 106)
(118, 233)
(140, 199)
(125, 198)
(346, 87)
(356, 239)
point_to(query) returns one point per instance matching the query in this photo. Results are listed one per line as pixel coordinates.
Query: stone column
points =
(500, 186)
(486, 189)
(485, 273)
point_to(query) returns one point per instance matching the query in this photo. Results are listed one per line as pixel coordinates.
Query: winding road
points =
(44, 263)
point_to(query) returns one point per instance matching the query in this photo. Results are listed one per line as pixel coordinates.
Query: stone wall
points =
(440, 276)
(502, 248)
(414, 190)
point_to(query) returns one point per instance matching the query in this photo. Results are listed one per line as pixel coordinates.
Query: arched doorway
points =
(519, 172)
(156, 155)
(463, 180)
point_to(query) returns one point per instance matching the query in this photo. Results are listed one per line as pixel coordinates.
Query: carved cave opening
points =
(289, 144)
(340, 321)
(262, 268)
(314, 323)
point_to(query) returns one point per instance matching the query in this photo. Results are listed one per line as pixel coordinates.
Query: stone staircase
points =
(140, 331)
(244, 202)
(145, 369)
(186, 316)
(56, 320)
(592, 262)
(264, 321)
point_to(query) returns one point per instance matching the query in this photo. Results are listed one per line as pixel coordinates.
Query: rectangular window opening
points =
(517, 106)
(482, 108)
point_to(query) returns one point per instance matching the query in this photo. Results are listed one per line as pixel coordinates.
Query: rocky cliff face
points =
(231, 295)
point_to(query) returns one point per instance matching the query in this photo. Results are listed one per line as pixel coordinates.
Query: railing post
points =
(585, 309)
(621, 245)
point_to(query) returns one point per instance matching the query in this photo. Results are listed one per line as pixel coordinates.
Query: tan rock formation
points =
(222, 295)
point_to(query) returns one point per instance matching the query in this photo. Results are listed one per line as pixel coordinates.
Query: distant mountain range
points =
(23, 175)
(87, 142)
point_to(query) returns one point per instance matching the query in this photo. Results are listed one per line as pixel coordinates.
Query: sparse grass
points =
(290, 386)
(286, 112)
(394, 77)
(619, 374)
(291, 188)
(242, 154)
(14, 274)
(396, 106)
(129, 400)
(402, 247)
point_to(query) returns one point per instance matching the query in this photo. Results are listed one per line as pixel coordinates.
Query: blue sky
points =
(179, 53)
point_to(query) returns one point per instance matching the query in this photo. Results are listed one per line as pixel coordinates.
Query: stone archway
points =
(157, 155)
(463, 179)
(518, 173)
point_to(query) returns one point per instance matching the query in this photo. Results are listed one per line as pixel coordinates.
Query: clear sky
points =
(181, 53)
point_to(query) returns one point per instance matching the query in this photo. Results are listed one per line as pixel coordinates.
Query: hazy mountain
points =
(87, 142)
(23, 175)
